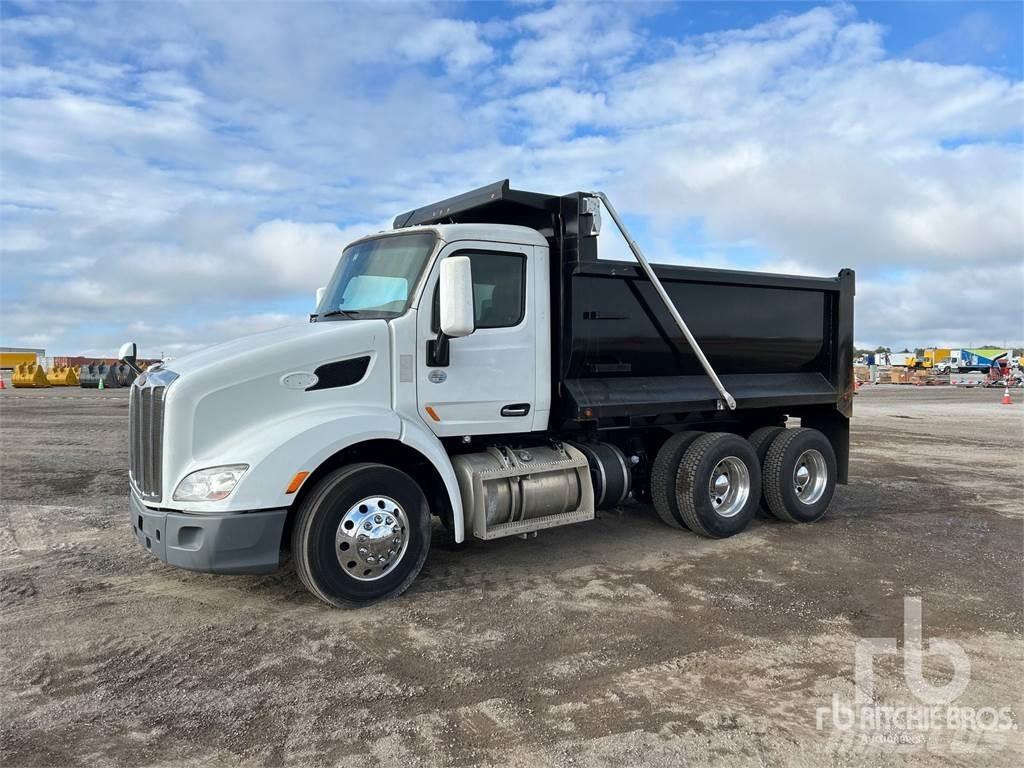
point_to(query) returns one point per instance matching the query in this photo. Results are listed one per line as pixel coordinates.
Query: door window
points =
(499, 289)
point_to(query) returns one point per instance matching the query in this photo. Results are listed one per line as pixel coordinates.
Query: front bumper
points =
(235, 542)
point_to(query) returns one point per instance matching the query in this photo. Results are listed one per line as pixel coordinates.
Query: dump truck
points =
(480, 364)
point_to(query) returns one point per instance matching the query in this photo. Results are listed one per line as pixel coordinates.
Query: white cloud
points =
(457, 43)
(202, 168)
(570, 41)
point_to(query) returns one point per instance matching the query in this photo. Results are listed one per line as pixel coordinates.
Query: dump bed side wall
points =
(777, 341)
(621, 327)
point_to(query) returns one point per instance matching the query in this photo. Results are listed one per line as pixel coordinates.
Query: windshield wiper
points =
(349, 313)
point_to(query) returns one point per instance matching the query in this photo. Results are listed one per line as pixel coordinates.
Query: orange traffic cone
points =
(1006, 397)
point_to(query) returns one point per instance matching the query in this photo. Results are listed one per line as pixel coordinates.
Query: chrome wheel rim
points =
(810, 476)
(372, 538)
(729, 486)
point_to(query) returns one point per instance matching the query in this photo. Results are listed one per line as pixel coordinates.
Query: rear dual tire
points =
(789, 473)
(718, 485)
(708, 483)
(761, 440)
(663, 477)
(799, 474)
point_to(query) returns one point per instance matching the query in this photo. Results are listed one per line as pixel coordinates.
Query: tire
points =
(330, 519)
(736, 506)
(786, 499)
(663, 477)
(760, 439)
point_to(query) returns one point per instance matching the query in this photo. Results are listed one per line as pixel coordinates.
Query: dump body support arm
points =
(728, 400)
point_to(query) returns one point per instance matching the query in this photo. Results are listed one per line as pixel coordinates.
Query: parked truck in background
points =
(930, 358)
(479, 363)
(970, 360)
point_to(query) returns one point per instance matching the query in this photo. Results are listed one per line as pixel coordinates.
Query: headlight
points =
(211, 484)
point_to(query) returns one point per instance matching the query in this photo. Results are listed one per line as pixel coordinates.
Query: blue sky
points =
(180, 174)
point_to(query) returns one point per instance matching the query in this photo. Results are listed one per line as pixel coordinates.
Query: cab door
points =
(489, 384)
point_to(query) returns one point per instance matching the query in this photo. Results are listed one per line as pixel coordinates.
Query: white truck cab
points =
(424, 385)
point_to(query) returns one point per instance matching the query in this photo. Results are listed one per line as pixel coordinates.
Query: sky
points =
(182, 174)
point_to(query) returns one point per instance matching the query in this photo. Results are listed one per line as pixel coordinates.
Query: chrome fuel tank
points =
(508, 491)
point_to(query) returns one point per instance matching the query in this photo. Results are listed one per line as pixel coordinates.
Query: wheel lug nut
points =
(363, 550)
(378, 519)
(368, 525)
(371, 559)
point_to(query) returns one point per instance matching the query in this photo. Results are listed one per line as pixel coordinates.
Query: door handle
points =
(516, 409)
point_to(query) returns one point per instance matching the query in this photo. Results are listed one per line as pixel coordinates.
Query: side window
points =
(499, 289)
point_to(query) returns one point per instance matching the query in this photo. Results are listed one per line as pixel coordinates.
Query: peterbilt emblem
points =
(299, 380)
(437, 377)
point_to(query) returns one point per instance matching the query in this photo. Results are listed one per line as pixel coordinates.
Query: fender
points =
(423, 440)
(303, 442)
(275, 450)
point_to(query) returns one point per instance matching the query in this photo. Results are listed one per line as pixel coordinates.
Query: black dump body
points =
(782, 344)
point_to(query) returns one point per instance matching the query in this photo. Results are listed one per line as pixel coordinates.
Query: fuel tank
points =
(508, 491)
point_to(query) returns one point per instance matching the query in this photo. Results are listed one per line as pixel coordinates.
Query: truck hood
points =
(224, 395)
(271, 344)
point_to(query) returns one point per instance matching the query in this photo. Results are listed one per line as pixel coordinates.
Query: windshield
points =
(375, 278)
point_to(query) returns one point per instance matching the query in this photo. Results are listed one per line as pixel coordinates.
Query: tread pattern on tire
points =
(761, 439)
(303, 522)
(771, 480)
(763, 435)
(663, 475)
(687, 486)
(687, 474)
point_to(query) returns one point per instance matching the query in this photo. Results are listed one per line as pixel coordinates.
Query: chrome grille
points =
(146, 432)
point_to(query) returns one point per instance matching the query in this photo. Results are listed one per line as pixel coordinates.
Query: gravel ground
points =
(616, 642)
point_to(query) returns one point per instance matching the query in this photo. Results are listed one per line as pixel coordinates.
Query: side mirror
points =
(320, 295)
(456, 297)
(128, 354)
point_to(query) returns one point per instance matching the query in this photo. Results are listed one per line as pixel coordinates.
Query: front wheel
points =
(361, 535)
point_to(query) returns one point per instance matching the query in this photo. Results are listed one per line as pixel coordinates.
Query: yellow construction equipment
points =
(29, 375)
(931, 358)
(12, 359)
(62, 376)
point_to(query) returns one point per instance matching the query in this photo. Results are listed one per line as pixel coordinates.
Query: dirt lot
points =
(617, 642)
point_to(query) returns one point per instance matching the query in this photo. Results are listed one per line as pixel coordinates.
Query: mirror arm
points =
(438, 351)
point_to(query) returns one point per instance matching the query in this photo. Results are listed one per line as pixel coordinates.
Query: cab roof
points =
(499, 233)
(450, 233)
